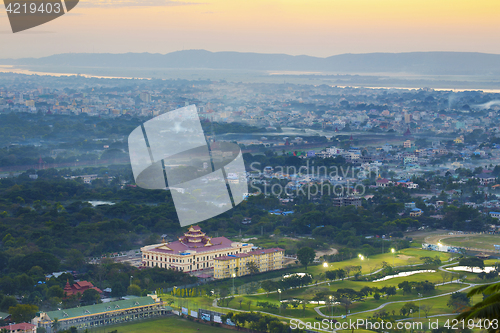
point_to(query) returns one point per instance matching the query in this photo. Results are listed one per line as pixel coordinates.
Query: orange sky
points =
(313, 27)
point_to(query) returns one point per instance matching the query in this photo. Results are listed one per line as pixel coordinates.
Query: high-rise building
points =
(145, 97)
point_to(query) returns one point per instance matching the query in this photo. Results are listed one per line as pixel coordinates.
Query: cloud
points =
(135, 3)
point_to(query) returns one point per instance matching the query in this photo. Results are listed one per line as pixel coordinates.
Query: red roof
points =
(21, 327)
(79, 287)
(178, 247)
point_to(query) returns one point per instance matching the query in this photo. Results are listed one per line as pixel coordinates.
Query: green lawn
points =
(370, 264)
(371, 303)
(482, 241)
(167, 324)
(401, 258)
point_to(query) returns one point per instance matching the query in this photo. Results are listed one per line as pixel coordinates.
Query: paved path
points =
(469, 285)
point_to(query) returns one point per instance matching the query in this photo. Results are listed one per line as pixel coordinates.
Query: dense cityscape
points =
(349, 187)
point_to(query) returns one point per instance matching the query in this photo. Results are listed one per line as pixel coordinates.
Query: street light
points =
(174, 293)
(419, 299)
(411, 314)
(331, 306)
(279, 293)
(234, 275)
(131, 277)
(393, 251)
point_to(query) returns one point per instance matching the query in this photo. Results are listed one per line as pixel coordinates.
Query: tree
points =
(390, 291)
(91, 296)
(56, 324)
(346, 303)
(488, 308)
(331, 275)
(239, 300)
(348, 269)
(340, 273)
(252, 267)
(55, 291)
(426, 308)
(7, 302)
(405, 286)
(408, 308)
(47, 261)
(472, 262)
(134, 289)
(117, 289)
(306, 256)
(228, 300)
(445, 275)
(268, 286)
(75, 259)
(22, 313)
(458, 301)
(249, 303)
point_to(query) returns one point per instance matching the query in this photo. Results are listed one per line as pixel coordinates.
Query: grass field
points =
(167, 324)
(405, 257)
(481, 241)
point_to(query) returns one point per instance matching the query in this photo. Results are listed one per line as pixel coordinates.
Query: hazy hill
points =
(423, 63)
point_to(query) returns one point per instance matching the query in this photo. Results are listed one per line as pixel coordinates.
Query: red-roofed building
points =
(383, 182)
(192, 252)
(20, 328)
(79, 288)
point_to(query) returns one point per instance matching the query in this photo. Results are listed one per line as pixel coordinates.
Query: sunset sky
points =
(312, 27)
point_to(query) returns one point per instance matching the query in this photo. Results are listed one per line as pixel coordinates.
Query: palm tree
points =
(56, 324)
(488, 308)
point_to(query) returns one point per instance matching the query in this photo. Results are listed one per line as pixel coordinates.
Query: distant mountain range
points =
(421, 63)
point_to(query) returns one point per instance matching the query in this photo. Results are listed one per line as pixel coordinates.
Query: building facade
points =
(192, 252)
(347, 201)
(239, 264)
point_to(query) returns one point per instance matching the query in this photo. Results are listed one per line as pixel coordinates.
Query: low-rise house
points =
(19, 328)
(383, 182)
(416, 212)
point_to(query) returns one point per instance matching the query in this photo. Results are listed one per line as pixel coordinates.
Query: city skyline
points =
(317, 28)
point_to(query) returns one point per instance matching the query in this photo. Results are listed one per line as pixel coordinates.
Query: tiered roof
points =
(79, 287)
(193, 239)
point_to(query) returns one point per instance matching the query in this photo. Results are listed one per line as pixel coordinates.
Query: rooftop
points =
(178, 247)
(20, 327)
(100, 308)
(255, 252)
